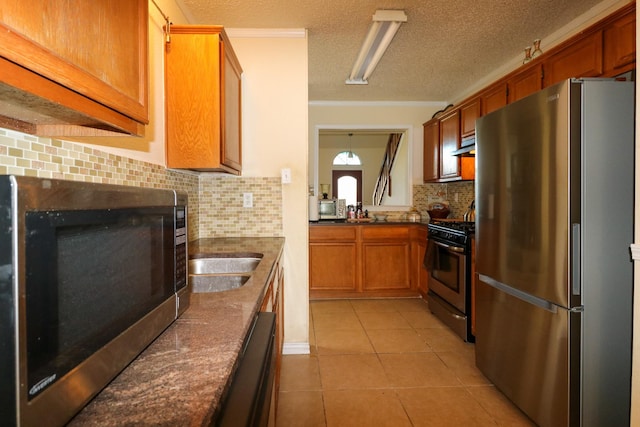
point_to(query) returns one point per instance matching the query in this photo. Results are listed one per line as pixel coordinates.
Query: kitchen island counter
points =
(180, 379)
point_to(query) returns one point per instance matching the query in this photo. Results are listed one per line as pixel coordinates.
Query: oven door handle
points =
(451, 248)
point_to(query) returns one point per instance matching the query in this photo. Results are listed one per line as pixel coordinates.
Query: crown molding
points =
(438, 104)
(281, 33)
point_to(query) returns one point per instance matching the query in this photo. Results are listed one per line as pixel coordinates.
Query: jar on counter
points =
(413, 215)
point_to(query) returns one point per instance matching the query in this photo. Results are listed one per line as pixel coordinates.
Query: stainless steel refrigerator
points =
(554, 222)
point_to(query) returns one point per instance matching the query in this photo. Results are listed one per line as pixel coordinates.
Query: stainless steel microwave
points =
(332, 209)
(90, 274)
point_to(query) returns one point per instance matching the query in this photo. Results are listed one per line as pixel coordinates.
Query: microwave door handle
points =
(449, 247)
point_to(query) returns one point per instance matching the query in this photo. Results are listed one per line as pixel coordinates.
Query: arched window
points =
(347, 158)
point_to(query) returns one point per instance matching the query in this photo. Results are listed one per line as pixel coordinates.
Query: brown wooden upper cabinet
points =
(203, 93)
(582, 58)
(74, 71)
(524, 83)
(469, 112)
(431, 153)
(493, 98)
(449, 142)
(620, 45)
(442, 136)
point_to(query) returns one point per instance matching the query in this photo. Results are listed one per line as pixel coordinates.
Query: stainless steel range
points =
(448, 261)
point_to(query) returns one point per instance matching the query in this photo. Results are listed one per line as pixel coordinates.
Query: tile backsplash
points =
(424, 194)
(222, 213)
(215, 201)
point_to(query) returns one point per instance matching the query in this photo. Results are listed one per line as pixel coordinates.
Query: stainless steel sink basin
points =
(201, 283)
(217, 272)
(224, 263)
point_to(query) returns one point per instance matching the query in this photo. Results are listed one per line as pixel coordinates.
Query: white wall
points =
(275, 117)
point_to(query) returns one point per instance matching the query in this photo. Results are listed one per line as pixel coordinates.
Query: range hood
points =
(467, 148)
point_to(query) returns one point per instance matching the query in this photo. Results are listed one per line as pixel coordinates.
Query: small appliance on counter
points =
(91, 275)
(332, 209)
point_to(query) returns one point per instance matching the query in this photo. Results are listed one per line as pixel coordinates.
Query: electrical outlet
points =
(286, 175)
(455, 197)
(247, 200)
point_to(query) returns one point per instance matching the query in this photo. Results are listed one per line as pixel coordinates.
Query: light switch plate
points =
(286, 175)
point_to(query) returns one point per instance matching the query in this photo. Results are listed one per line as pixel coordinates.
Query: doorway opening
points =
(347, 184)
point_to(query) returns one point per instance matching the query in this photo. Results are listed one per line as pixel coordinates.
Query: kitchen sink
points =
(217, 272)
(240, 262)
(203, 283)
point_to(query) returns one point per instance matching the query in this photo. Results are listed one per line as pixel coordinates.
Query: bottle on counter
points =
(351, 212)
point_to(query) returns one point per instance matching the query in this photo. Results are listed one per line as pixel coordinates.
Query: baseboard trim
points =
(296, 348)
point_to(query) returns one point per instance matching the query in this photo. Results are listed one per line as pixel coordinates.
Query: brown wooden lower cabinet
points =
(386, 265)
(418, 250)
(366, 260)
(473, 285)
(333, 266)
(273, 301)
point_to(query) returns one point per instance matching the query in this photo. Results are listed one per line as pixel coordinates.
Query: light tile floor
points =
(387, 362)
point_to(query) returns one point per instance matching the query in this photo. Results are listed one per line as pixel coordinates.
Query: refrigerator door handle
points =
(575, 259)
(528, 298)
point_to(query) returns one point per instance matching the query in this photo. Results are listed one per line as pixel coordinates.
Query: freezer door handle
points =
(575, 259)
(517, 293)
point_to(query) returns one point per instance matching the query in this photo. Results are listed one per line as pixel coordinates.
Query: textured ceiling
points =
(444, 48)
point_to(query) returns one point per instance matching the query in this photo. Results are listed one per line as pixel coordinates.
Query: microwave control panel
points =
(181, 247)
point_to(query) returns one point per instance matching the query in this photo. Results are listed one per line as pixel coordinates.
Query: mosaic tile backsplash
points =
(23, 154)
(425, 194)
(222, 213)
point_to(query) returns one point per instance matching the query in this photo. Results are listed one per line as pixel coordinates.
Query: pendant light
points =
(350, 155)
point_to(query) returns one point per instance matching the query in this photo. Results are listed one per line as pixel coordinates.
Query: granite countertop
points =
(180, 378)
(388, 222)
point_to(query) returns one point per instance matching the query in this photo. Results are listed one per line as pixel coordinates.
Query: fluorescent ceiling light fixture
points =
(384, 27)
